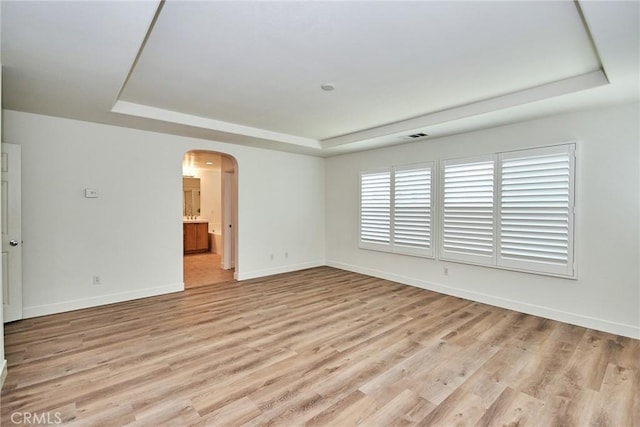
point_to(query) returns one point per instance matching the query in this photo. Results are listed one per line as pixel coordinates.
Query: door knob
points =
(13, 242)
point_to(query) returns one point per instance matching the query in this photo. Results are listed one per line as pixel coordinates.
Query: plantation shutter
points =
(375, 209)
(536, 210)
(468, 210)
(412, 218)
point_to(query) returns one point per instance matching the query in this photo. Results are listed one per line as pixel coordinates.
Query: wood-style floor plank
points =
(320, 347)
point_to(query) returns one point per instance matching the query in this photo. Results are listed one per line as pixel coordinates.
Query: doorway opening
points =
(209, 217)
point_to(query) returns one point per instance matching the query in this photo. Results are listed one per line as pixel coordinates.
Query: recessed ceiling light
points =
(327, 86)
(208, 163)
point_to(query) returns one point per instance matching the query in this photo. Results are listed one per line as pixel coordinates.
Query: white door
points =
(11, 233)
(228, 232)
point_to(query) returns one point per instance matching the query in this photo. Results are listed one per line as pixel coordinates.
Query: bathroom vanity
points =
(195, 236)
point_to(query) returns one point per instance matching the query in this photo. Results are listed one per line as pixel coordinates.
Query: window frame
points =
(540, 267)
(393, 246)
(454, 256)
(567, 271)
(363, 244)
(437, 215)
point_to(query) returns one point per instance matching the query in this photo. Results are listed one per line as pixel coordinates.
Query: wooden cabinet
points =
(195, 237)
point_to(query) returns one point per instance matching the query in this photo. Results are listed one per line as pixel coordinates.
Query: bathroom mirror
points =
(191, 197)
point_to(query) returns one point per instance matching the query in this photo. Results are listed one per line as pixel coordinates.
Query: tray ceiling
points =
(251, 72)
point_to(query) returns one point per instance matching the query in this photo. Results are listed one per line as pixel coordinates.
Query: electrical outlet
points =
(271, 256)
(97, 280)
(286, 254)
(445, 270)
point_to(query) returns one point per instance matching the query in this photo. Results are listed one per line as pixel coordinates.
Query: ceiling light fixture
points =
(208, 163)
(327, 87)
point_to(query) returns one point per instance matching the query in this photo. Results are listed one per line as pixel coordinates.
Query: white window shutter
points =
(536, 210)
(412, 216)
(468, 210)
(375, 209)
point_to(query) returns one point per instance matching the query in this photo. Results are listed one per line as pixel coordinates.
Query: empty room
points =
(323, 213)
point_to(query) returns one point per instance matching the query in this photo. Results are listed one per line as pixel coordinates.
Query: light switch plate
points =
(90, 193)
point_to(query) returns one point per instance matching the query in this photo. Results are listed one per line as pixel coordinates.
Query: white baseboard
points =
(3, 373)
(626, 330)
(61, 307)
(278, 270)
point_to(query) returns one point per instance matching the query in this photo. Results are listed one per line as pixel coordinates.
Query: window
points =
(512, 210)
(375, 208)
(536, 210)
(468, 210)
(395, 210)
(412, 210)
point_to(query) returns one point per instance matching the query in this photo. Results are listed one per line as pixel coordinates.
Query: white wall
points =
(132, 237)
(210, 197)
(607, 294)
(132, 234)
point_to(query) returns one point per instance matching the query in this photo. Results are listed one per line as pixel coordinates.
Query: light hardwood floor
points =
(204, 269)
(321, 347)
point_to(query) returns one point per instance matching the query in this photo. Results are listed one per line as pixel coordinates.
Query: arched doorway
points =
(209, 209)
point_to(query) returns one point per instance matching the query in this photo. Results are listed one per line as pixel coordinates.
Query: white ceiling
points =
(202, 159)
(250, 72)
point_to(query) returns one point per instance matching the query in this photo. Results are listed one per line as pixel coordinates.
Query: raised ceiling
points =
(250, 72)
